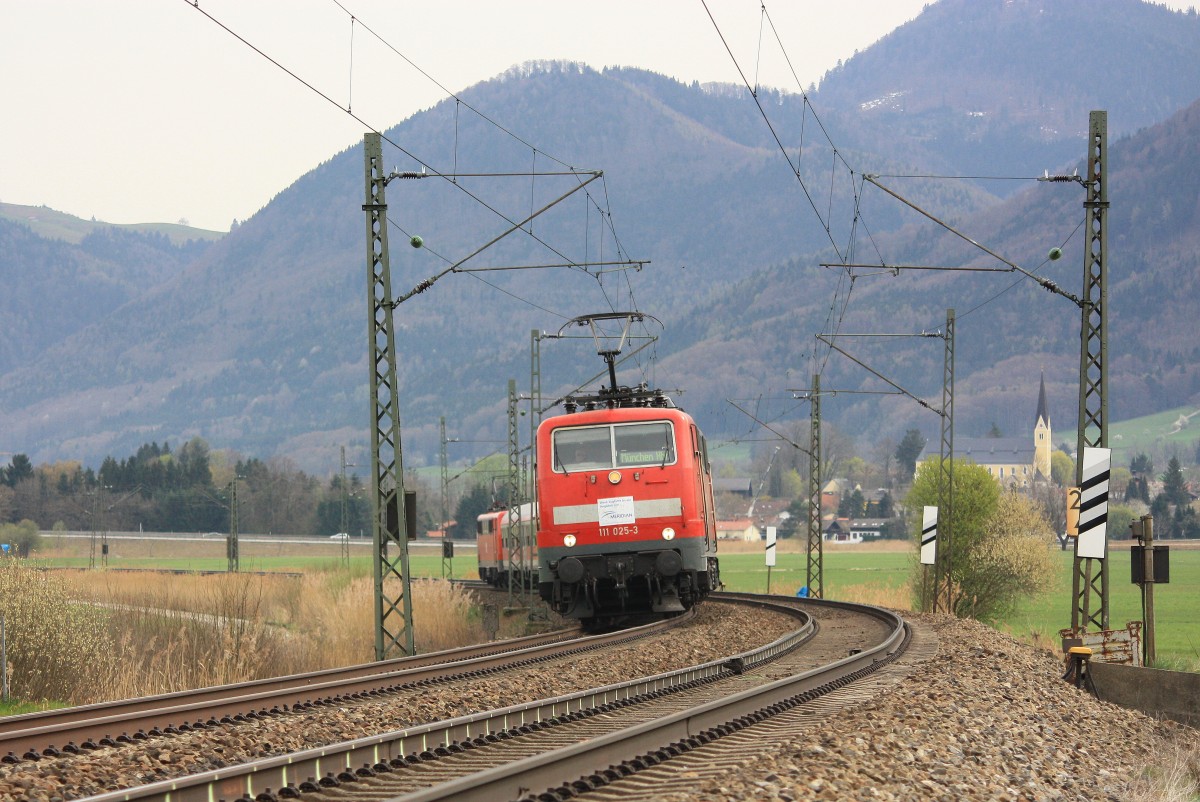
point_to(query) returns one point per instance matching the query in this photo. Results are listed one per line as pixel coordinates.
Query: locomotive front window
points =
(599, 448)
(644, 444)
(586, 448)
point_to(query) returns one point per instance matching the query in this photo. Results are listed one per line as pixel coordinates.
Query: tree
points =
(358, 508)
(908, 450)
(1053, 501)
(1174, 487)
(1119, 518)
(1013, 561)
(858, 504)
(856, 469)
(1141, 465)
(883, 453)
(884, 508)
(1062, 469)
(6, 503)
(836, 448)
(1160, 510)
(794, 485)
(1118, 481)
(17, 471)
(995, 432)
(975, 498)
(1138, 489)
(24, 537)
(797, 521)
(470, 507)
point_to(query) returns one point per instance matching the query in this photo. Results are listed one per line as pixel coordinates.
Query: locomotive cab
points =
(627, 522)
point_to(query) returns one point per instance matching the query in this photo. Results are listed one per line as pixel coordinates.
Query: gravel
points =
(982, 718)
(985, 718)
(718, 630)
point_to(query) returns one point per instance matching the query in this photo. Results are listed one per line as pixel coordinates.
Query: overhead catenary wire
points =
(840, 303)
(348, 110)
(795, 169)
(459, 102)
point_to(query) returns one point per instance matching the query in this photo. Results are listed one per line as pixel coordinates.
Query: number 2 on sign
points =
(1074, 496)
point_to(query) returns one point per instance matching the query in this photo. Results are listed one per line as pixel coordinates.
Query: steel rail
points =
(652, 742)
(381, 752)
(79, 729)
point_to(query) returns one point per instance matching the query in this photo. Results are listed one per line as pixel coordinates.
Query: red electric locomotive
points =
(627, 520)
(492, 532)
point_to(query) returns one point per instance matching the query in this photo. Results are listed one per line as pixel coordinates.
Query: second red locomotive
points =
(494, 534)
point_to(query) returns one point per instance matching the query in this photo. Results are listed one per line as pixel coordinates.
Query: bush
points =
(23, 537)
(57, 649)
(1000, 542)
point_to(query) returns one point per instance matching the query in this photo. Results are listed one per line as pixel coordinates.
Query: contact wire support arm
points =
(454, 268)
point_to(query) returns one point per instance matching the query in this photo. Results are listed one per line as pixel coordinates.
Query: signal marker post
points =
(929, 520)
(1093, 504)
(770, 555)
(1091, 542)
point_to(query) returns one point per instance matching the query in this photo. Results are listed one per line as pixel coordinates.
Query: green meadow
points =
(882, 578)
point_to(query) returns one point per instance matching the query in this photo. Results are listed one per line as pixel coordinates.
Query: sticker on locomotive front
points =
(569, 515)
(615, 511)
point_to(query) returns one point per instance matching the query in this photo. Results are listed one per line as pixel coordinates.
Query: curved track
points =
(524, 749)
(80, 729)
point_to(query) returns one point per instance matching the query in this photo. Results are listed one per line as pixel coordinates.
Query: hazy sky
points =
(147, 111)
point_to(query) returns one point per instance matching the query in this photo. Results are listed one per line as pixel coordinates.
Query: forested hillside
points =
(259, 343)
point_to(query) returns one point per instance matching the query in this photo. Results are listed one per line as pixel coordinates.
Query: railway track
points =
(74, 730)
(524, 749)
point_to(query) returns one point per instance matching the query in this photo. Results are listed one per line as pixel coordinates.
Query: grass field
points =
(881, 577)
(199, 554)
(877, 574)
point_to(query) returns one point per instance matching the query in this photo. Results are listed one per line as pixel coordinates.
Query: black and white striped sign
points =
(1093, 504)
(929, 536)
(770, 546)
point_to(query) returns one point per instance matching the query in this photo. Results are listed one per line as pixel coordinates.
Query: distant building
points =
(1012, 461)
(738, 484)
(738, 529)
(839, 531)
(868, 528)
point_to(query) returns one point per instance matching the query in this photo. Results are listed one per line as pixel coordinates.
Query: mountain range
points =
(257, 342)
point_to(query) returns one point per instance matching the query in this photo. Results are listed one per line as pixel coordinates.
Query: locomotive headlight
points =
(614, 477)
(568, 540)
(668, 533)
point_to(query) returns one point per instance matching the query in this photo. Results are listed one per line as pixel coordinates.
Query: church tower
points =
(1041, 436)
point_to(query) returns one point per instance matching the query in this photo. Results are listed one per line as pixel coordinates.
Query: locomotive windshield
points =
(595, 448)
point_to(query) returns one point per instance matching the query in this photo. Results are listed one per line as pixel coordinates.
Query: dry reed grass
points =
(92, 636)
(878, 595)
(1173, 775)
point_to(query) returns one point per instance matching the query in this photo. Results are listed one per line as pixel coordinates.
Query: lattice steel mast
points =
(393, 601)
(815, 577)
(943, 583)
(1090, 576)
(513, 539)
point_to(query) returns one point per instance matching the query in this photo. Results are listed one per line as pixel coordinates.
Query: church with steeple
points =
(1041, 436)
(1012, 461)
